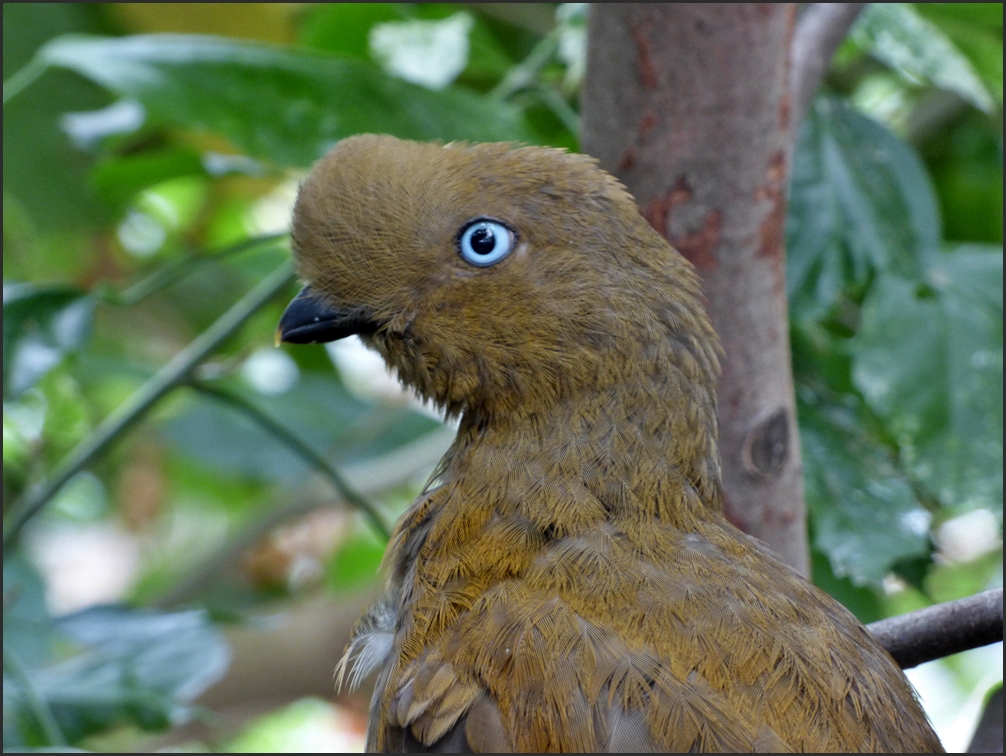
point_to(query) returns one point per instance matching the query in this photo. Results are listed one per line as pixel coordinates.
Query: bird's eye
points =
(485, 242)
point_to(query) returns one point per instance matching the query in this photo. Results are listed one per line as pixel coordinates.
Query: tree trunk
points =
(689, 105)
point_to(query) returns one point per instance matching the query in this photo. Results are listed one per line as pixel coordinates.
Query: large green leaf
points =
(860, 201)
(41, 325)
(929, 360)
(41, 168)
(278, 103)
(134, 666)
(977, 31)
(119, 179)
(898, 36)
(865, 516)
(861, 600)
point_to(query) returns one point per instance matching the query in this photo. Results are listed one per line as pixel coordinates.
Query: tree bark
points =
(943, 629)
(690, 106)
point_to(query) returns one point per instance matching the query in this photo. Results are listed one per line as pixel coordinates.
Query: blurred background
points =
(193, 583)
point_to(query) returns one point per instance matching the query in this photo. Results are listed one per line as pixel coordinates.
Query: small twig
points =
(36, 704)
(525, 76)
(130, 411)
(524, 73)
(304, 451)
(942, 630)
(819, 31)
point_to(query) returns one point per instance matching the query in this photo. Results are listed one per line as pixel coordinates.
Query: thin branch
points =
(302, 450)
(524, 73)
(180, 267)
(36, 704)
(562, 109)
(130, 411)
(373, 476)
(942, 630)
(819, 31)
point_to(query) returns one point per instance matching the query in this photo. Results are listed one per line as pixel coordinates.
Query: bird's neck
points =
(633, 464)
(618, 453)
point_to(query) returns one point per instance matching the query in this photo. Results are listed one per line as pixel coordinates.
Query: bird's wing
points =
(509, 665)
(436, 710)
(549, 681)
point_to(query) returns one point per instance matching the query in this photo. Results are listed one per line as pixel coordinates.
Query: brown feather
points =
(568, 582)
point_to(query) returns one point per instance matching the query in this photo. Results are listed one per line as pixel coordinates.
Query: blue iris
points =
(485, 242)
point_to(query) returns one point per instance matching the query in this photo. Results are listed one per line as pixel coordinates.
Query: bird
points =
(566, 581)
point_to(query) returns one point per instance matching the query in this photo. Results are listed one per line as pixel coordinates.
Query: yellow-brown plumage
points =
(567, 580)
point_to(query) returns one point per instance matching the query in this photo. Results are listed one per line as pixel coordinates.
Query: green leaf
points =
(973, 36)
(860, 600)
(430, 52)
(977, 30)
(118, 180)
(820, 361)
(67, 417)
(278, 103)
(864, 515)
(82, 499)
(488, 62)
(929, 361)
(986, 16)
(899, 37)
(27, 629)
(860, 201)
(138, 666)
(41, 325)
(343, 27)
(87, 129)
(41, 168)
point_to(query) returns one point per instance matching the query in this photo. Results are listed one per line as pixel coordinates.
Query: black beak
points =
(308, 319)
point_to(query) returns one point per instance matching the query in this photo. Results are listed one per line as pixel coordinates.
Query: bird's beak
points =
(309, 319)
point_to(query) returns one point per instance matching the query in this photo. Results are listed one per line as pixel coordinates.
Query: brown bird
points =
(567, 581)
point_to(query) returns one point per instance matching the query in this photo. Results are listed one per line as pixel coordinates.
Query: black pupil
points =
(483, 241)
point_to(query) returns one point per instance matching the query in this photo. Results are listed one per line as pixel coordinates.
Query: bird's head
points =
(494, 279)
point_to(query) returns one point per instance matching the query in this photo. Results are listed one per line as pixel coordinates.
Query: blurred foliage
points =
(141, 154)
